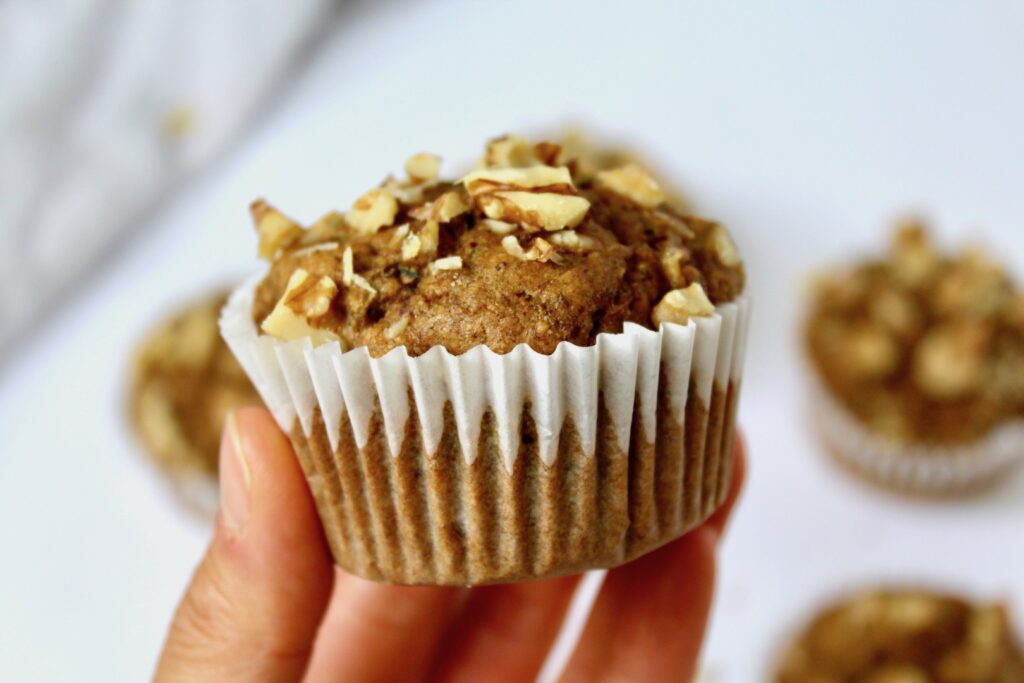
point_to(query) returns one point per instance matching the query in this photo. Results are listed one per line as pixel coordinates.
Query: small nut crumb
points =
(539, 176)
(509, 151)
(545, 210)
(914, 256)
(313, 248)
(723, 246)
(679, 305)
(499, 227)
(672, 260)
(430, 235)
(410, 247)
(303, 292)
(541, 250)
(423, 167)
(633, 182)
(372, 211)
(446, 263)
(572, 240)
(347, 267)
(395, 329)
(405, 192)
(400, 232)
(276, 231)
(364, 284)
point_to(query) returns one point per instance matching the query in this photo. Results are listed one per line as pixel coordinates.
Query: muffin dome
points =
(529, 248)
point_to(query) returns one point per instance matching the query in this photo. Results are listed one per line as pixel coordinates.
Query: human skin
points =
(267, 603)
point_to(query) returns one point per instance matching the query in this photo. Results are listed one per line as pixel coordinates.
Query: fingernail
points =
(235, 478)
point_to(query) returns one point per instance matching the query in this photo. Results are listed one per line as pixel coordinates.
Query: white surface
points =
(106, 105)
(804, 130)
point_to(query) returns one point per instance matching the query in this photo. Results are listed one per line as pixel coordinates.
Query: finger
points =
(380, 632)
(254, 604)
(649, 619)
(507, 629)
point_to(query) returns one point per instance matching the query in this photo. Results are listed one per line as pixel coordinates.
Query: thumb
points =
(256, 600)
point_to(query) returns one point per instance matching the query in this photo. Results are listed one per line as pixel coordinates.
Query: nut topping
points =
(633, 182)
(509, 151)
(679, 305)
(372, 211)
(423, 167)
(722, 245)
(304, 298)
(551, 178)
(276, 231)
(446, 263)
(545, 210)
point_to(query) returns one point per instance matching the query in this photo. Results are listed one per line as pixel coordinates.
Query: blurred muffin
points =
(920, 357)
(184, 383)
(905, 636)
(522, 373)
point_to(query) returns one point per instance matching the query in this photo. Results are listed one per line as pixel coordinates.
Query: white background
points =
(805, 129)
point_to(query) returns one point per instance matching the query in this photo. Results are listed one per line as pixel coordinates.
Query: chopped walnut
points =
(949, 361)
(410, 247)
(423, 167)
(509, 151)
(446, 263)
(541, 250)
(329, 226)
(276, 231)
(544, 210)
(491, 179)
(672, 261)
(371, 212)
(430, 235)
(572, 240)
(633, 182)
(499, 227)
(679, 305)
(350, 278)
(723, 247)
(304, 298)
(871, 352)
(395, 329)
(914, 256)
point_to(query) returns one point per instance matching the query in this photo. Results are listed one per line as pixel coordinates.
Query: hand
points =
(267, 604)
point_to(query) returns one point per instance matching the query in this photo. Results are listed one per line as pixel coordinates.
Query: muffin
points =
(919, 361)
(184, 381)
(905, 636)
(523, 373)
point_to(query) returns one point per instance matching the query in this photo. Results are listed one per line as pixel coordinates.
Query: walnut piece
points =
(499, 227)
(544, 210)
(304, 293)
(539, 176)
(633, 182)
(672, 261)
(679, 305)
(372, 211)
(423, 167)
(446, 263)
(723, 246)
(949, 361)
(276, 231)
(541, 250)
(509, 151)
(410, 247)
(572, 240)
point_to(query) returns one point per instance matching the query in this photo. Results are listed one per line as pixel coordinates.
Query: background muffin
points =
(184, 382)
(552, 359)
(925, 351)
(905, 636)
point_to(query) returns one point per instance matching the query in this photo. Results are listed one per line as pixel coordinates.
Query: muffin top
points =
(920, 345)
(905, 636)
(529, 248)
(185, 381)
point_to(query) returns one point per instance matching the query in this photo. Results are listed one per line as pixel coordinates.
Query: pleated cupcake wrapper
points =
(919, 469)
(346, 410)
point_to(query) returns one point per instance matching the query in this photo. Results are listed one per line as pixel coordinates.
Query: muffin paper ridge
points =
(916, 468)
(294, 379)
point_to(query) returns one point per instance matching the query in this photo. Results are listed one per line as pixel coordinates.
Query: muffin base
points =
(434, 519)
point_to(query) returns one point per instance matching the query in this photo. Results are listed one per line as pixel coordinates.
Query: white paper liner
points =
(919, 469)
(294, 379)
